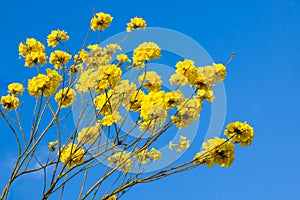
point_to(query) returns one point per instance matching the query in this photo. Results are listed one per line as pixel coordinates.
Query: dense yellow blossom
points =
(173, 98)
(88, 134)
(52, 145)
(33, 51)
(65, 97)
(99, 56)
(59, 58)
(35, 58)
(187, 68)
(153, 111)
(44, 84)
(122, 160)
(110, 119)
(112, 197)
(155, 154)
(81, 56)
(15, 89)
(145, 52)
(31, 46)
(136, 100)
(9, 102)
(100, 21)
(184, 143)
(178, 79)
(188, 112)
(240, 132)
(123, 58)
(109, 78)
(144, 156)
(136, 23)
(216, 151)
(213, 74)
(99, 79)
(151, 80)
(56, 36)
(72, 155)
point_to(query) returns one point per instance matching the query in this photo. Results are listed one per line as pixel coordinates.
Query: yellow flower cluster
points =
(109, 78)
(72, 155)
(136, 23)
(144, 53)
(59, 58)
(123, 58)
(112, 197)
(108, 104)
(33, 51)
(122, 160)
(150, 80)
(81, 56)
(99, 56)
(240, 132)
(44, 84)
(202, 78)
(109, 119)
(52, 145)
(144, 156)
(65, 97)
(15, 89)
(188, 112)
(153, 111)
(100, 21)
(56, 36)
(184, 143)
(216, 151)
(9, 102)
(136, 99)
(88, 135)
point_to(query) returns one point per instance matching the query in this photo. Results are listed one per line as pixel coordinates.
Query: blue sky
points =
(262, 84)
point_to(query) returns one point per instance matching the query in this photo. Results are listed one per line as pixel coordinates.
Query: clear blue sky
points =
(262, 85)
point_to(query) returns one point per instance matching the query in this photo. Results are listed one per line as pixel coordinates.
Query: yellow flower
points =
(187, 69)
(31, 46)
(15, 89)
(240, 132)
(93, 47)
(59, 58)
(136, 100)
(178, 79)
(35, 58)
(72, 156)
(44, 84)
(188, 112)
(145, 52)
(100, 21)
(123, 58)
(216, 151)
(108, 78)
(110, 119)
(151, 80)
(122, 160)
(55, 36)
(184, 143)
(65, 97)
(52, 145)
(142, 156)
(136, 23)
(154, 154)
(9, 102)
(88, 135)
(112, 197)
(81, 56)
